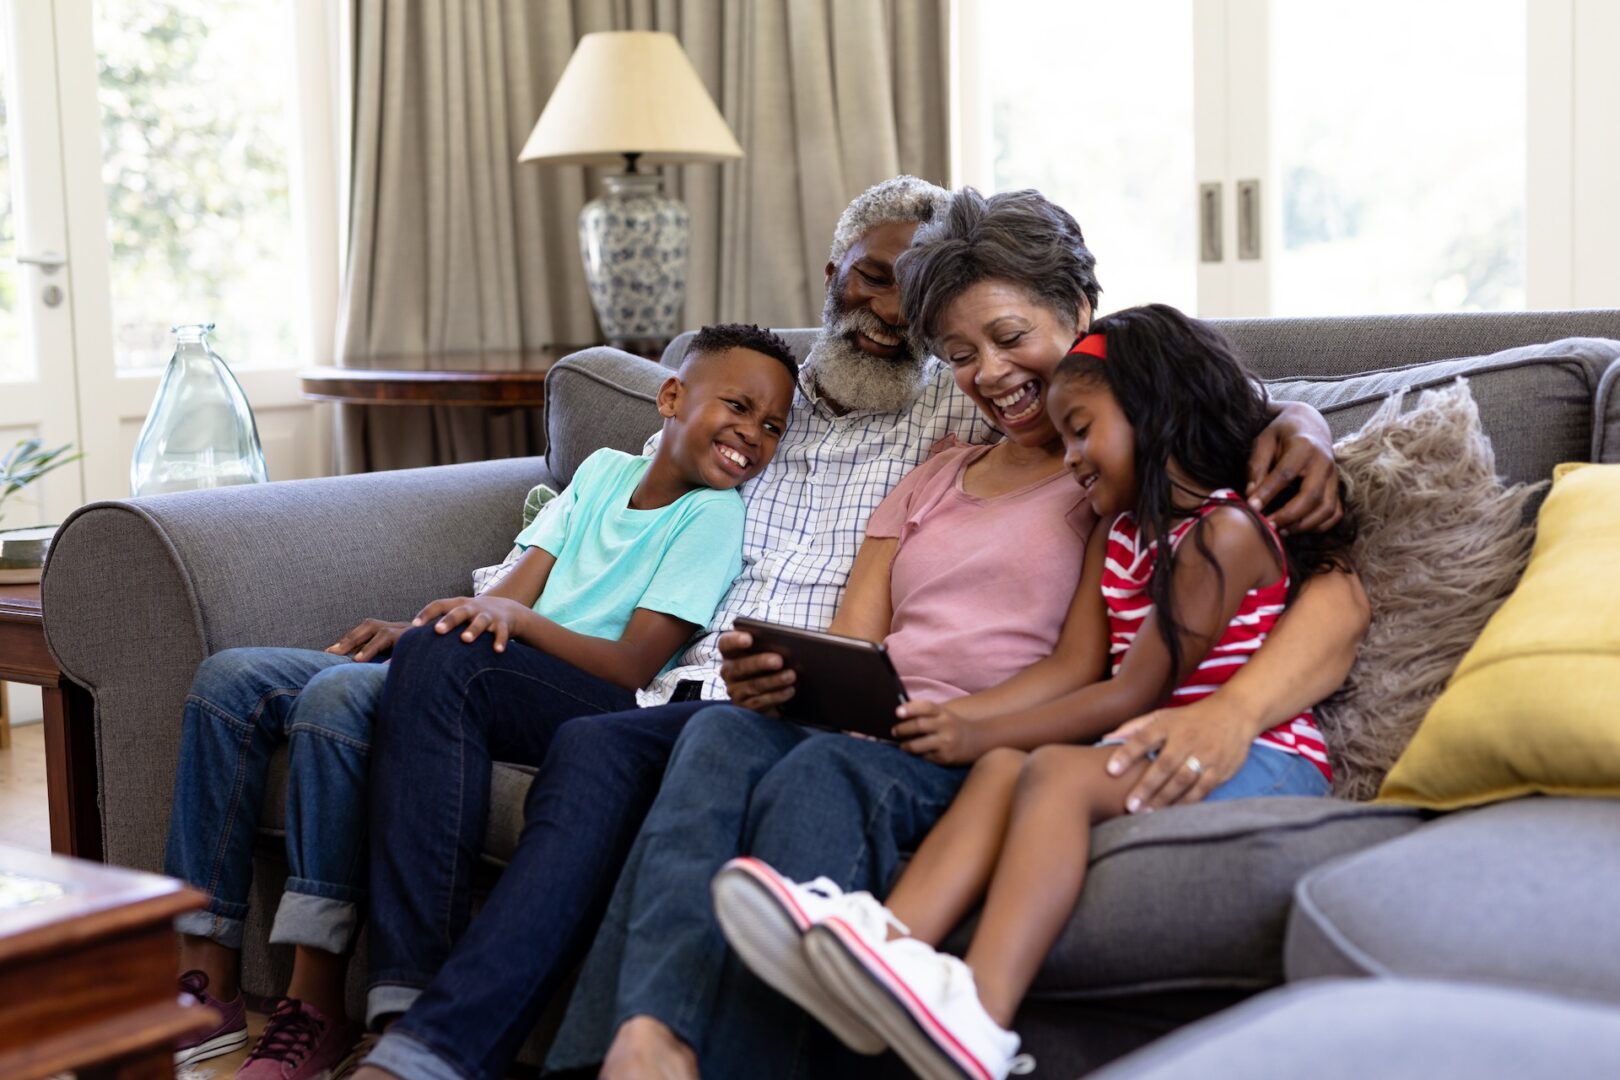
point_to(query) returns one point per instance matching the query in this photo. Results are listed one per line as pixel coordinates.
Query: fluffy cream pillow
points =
(1442, 543)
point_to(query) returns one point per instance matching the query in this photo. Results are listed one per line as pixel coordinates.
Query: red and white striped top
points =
(1126, 571)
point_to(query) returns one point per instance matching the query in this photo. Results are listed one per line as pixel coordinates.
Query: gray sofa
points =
(1187, 911)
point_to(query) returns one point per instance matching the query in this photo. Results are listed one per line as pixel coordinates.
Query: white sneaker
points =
(923, 1002)
(765, 915)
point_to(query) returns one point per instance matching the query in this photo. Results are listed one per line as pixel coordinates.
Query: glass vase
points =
(200, 431)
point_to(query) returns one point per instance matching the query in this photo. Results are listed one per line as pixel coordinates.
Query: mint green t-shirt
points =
(678, 559)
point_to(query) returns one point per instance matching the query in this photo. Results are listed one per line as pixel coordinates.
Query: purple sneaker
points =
(231, 1035)
(299, 1042)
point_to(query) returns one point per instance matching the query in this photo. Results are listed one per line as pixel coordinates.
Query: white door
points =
(200, 156)
(1369, 157)
(1293, 157)
(169, 161)
(38, 396)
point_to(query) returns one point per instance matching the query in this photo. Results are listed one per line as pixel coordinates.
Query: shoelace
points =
(289, 1035)
(1022, 1065)
(829, 889)
(879, 912)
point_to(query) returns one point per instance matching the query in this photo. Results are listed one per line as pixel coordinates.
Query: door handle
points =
(1248, 200)
(1209, 222)
(48, 261)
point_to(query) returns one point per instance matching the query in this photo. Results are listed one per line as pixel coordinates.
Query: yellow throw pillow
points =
(1535, 704)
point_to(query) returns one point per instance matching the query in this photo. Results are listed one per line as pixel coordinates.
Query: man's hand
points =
(371, 638)
(1297, 445)
(494, 614)
(1213, 739)
(935, 733)
(754, 680)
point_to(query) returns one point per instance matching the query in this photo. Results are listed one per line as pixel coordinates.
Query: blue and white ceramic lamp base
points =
(634, 240)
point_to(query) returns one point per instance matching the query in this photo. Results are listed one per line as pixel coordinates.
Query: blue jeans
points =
(471, 994)
(1266, 771)
(243, 704)
(809, 803)
(1270, 771)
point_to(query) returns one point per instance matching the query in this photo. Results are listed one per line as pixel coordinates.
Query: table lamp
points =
(632, 95)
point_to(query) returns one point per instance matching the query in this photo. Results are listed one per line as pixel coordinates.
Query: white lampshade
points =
(629, 92)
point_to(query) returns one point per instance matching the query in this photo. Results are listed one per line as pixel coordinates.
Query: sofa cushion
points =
(1389, 1029)
(1606, 417)
(1520, 892)
(1440, 543)
(1197, 896)
(1531, 707)
(1535, 402)
(1309, 347)
(598, 397)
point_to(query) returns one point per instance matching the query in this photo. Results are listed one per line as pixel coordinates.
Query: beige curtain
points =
(456, 250)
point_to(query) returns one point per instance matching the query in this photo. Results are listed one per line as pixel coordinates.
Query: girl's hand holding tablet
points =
(933, 732)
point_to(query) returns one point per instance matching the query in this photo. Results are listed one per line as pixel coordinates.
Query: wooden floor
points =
(24, 813)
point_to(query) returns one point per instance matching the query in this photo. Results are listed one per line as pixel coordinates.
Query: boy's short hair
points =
(722, 336)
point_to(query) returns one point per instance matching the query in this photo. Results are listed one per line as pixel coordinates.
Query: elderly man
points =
(869, 408)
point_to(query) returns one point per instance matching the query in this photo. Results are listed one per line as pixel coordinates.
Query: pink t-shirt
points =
(980, 587)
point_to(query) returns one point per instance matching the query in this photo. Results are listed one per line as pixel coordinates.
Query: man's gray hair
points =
(903, 198)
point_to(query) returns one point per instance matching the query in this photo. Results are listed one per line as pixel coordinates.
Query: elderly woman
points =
(999, 289)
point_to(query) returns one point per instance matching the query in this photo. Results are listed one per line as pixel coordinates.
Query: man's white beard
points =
(856, 380)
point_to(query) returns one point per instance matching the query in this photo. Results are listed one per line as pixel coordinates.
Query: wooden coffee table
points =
(87, 957)
(70, 732)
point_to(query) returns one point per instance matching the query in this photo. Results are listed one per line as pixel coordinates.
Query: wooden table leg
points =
(5, 716)
(71, 782)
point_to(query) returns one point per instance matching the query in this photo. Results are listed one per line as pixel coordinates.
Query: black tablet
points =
(843, 684)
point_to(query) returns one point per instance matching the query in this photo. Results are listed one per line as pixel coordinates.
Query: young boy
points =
(629, 562)
(618, 572)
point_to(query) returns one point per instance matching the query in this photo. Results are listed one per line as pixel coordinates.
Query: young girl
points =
(1157, 417)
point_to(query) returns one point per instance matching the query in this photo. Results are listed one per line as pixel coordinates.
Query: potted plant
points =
(22, 551)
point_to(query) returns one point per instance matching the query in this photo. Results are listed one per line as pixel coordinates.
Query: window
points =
(1092, 104)
(196, 110)
(1398, 140)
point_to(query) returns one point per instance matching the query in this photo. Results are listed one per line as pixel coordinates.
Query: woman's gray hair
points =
(902, 198)
(1020, 237)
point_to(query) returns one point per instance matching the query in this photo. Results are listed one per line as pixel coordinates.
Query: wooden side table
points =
(87, 970)
(503, 380)
(70, 731)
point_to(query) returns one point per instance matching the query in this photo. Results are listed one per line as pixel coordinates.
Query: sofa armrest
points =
(599, 397)
(137, 592)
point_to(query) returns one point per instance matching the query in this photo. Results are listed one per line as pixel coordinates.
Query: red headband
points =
(1090, 345)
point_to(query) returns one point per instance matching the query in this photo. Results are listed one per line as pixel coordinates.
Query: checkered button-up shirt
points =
(807, 512)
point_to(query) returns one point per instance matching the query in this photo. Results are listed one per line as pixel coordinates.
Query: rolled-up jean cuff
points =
(219, 929)
(402, 1055)
(389, 999)
(316, 922)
